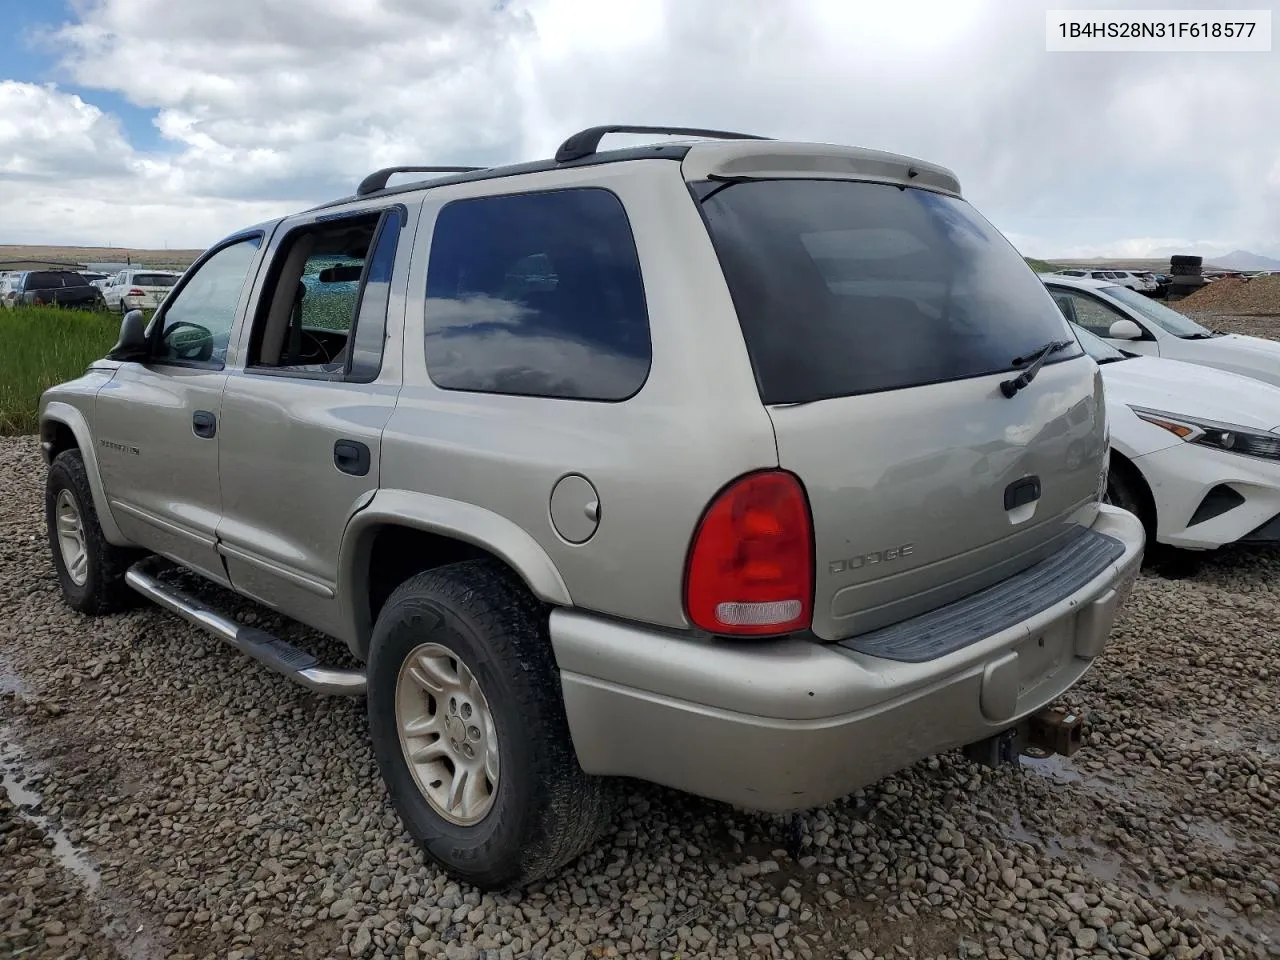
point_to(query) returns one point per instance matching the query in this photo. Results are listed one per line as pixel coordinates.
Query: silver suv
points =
(753, 468)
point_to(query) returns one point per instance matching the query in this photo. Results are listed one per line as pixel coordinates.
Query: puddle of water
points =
(10, 682)
(1108, 866)
(1213, 832)
(63, 849)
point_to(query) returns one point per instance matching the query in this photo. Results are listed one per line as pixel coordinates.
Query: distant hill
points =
(157, 259)
(1244, 260)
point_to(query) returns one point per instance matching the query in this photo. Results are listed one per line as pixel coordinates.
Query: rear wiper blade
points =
(1011, 387)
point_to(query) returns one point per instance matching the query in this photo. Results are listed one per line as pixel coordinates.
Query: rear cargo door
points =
(881, 322)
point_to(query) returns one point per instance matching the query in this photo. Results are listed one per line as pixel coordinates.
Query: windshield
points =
(847, 288)
(1169, 320)
(1096, 347)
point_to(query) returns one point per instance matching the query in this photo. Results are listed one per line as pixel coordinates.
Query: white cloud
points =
(45, 134)
(269, 105)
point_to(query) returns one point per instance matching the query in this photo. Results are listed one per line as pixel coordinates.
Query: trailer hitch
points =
(1053, 731)
(1043, 734)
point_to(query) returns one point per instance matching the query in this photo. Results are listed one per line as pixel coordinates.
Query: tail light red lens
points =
(750, 568)
(135, 292)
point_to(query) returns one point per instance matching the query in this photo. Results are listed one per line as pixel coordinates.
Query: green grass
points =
(41, 346)
(1041, 266)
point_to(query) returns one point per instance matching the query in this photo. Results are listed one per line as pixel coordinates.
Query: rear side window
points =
(537, 294)
(845, 288)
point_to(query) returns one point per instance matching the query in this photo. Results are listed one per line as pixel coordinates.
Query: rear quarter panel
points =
(655, 459)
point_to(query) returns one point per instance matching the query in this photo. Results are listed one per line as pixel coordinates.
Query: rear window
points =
(42, 280)
(154, 280)
(845, 288)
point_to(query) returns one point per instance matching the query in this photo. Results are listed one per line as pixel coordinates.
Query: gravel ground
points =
(1268, 327)
(169, 798)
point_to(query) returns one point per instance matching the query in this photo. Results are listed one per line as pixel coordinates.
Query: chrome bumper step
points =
(276, 654)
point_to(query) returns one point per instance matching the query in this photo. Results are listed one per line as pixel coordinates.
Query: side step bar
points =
(282, 657)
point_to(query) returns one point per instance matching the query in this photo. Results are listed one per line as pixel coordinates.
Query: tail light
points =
(750, 568)
(135, 292)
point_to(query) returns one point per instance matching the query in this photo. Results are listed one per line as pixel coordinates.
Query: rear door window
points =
(846, 288)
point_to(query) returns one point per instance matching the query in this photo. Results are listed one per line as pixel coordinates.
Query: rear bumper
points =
(790, 724)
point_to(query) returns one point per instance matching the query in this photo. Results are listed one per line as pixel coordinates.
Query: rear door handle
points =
(204, 424)
(352, 456)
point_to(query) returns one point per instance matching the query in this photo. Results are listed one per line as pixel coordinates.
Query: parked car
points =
(9, 289)
(1195, 452)
(648, 463)
(1121, 278)
(62, 288)
(1140, 325)
(138, 289)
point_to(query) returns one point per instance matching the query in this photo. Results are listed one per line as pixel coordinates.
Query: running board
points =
(280, 656)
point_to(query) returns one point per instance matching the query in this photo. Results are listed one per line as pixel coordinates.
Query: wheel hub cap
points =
(71, 544)
(447, 734)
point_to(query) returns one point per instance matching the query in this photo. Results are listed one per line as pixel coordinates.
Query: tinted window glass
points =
(198, 319)
(371, 326)
(154, 280)
(845, 288)
(53, 281)
(538, 295)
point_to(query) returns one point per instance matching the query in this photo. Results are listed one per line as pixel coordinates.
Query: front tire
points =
(90, 570)
(469, 728)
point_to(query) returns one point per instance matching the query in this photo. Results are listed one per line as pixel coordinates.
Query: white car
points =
(1137, 324)
(1121, 277)
(1195, 452)
(9, 290)
(138, 289)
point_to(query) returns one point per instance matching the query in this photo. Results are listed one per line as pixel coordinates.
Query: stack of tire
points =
(1185, 276)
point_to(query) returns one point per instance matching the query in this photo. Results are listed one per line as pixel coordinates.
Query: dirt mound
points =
(1238, 296)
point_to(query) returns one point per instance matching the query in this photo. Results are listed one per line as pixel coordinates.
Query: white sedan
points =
(1137, 324)
(1195, 452)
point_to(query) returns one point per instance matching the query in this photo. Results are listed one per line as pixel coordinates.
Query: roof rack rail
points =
(378, 179)
(585, 142)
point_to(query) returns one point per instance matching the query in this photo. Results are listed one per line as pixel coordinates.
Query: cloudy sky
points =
(159, 122)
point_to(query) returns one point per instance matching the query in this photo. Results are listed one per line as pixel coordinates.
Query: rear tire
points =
(461, 678)
(90, 570)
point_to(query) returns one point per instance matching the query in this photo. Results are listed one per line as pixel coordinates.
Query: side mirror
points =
(1125, 330)
(132, 345)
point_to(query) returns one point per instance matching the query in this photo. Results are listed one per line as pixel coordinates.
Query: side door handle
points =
(204, 424)
(352, 456)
